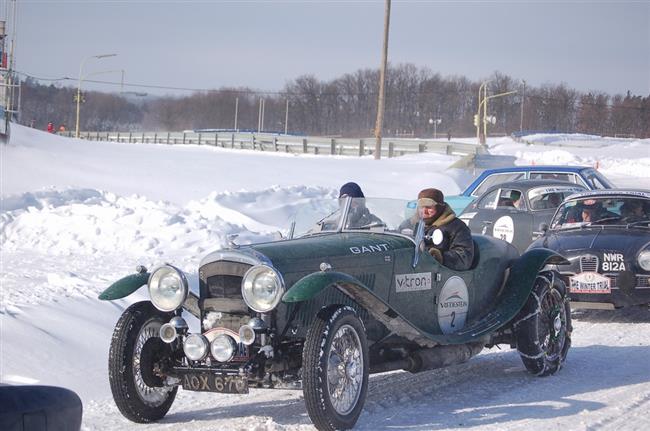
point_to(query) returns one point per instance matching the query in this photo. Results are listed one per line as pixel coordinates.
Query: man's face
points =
(427, 211)
(587, 215)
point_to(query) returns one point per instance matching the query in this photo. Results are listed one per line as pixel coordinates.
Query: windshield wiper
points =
(603, 220)
(371, 225)
(635, 223)
(320, 222)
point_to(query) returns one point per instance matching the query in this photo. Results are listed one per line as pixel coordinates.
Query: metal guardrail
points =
(391, 147)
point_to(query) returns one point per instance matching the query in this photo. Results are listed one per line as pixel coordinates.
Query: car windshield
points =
(352, 214)
(603, 210)
(545, 198)
(596, 180)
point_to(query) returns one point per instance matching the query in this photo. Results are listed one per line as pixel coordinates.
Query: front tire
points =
(335, 368)
(543, 327)
(136, 348)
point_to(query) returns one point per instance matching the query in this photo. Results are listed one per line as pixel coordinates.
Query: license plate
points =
(207, 382)
(589, 282)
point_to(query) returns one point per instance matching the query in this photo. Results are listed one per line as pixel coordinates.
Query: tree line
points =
(417, 99)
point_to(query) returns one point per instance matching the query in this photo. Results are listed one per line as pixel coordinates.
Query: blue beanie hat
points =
(352, 190)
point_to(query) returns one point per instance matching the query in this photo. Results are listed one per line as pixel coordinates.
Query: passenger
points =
(632, 210)
(455, 247)
(517, 199)
(358, 215)
(554, 200)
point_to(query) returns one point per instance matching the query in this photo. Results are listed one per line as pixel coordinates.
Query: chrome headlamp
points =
(168, 288)
(223, 348)
(196, 347)
(643, 259)
(262, 288)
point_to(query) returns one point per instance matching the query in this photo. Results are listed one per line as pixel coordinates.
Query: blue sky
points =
(603, 46)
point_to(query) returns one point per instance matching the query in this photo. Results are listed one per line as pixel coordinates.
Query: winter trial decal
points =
(453, 304)
(412, 282)
(589, 282)
(504, 229)
(613, 262)
(376, 248)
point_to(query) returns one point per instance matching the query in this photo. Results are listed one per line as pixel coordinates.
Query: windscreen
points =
(354, 214)
(600, 210)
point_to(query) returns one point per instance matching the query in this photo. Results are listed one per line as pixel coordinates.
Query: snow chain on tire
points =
(543, 327)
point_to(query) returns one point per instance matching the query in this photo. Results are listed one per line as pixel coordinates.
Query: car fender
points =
(125, 286)
(311, 285)
(521, 278)
(129, 284)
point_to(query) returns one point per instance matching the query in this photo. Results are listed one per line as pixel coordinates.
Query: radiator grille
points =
(589, 263)
(224, 286)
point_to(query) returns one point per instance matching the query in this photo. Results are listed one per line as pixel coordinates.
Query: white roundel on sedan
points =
(504, 229)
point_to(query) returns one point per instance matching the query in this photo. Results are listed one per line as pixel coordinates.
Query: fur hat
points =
(434, 194)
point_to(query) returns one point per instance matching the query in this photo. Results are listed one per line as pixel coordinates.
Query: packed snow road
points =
(95, 210)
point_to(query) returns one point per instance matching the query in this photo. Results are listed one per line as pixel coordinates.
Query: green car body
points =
(416, 314)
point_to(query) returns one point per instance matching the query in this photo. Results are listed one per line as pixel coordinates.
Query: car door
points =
(414, 290)
(481, 216)
(507, 218)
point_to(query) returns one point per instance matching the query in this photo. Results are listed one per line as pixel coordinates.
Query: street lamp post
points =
(435, 126)
(79, 86)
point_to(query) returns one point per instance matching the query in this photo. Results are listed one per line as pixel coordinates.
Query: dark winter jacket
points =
(457, 246)
(359, 217)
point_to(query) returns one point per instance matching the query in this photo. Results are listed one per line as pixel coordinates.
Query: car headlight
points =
(644, 260)
(168, 288)
(262, 288)
(223, 348)
(196, 347)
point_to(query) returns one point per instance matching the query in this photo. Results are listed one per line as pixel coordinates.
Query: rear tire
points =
(335, 368)
(543, 327)
(135, 349)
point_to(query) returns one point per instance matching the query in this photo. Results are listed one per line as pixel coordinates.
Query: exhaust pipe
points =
(430, 359)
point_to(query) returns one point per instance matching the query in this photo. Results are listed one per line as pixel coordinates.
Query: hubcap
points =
(345, 370)
(551, 329)
(153, 396)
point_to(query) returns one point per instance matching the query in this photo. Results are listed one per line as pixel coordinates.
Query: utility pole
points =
(382, 83)
(236, 111)
(286, 118)
(523, 98)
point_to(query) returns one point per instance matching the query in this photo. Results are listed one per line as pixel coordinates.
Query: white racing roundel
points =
(437, 237)
(504, 229)
(452, 306)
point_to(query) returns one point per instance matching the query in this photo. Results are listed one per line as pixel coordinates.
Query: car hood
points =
(627, 241)
(331, 246)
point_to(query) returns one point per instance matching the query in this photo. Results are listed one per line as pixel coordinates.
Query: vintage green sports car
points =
(323, 309)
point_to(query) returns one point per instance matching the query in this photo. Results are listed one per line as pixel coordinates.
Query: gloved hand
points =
(437, 255)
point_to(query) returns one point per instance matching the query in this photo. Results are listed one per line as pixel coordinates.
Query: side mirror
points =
(419, 239)
(543, 228)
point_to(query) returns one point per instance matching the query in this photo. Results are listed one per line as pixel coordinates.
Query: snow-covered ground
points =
(77, 215)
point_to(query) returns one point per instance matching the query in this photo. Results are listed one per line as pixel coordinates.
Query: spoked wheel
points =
(335, 368)
(136, 355)
(543, 327)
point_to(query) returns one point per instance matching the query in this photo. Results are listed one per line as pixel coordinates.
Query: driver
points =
(592, 210)
(452, 245)
(358, 215)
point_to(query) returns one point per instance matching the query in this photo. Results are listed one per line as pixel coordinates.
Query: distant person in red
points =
(50, 127)
(62, 128)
